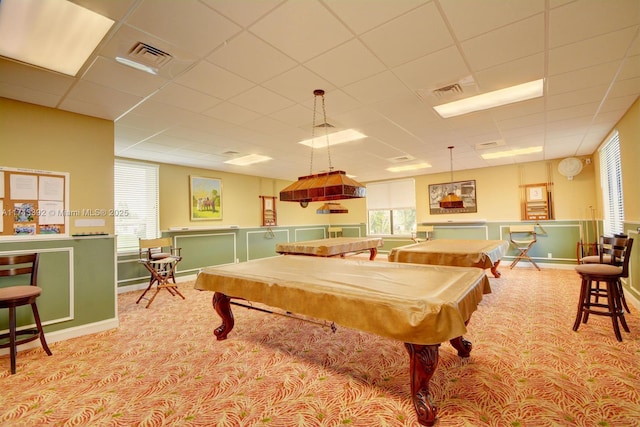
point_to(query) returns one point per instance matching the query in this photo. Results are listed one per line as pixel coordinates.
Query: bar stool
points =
(17, 295)
(610, 274)
(607, 257)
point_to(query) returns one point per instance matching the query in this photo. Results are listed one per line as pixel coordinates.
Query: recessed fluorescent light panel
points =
(334, 138)
(509, 95)
(53, 34)
(409, 167)
(511, 153)
(248, 160)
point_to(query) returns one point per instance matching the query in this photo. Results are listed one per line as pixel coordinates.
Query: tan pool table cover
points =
(420, 304)
(463, 253)
(330, 247)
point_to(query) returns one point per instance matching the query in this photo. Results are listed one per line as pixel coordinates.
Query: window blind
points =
(398, 194)
(135, 195)
(611, 183)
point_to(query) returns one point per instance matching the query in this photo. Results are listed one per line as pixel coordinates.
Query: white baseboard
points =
(65, 334)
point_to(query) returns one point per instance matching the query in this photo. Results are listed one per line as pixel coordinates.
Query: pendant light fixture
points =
(324, 186)
(451, 200)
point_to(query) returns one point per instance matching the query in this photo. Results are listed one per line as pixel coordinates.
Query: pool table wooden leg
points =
(494, 269)
(423, 360)
(222, 306)
(372, 253)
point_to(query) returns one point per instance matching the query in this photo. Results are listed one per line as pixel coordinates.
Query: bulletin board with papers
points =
(33, 202)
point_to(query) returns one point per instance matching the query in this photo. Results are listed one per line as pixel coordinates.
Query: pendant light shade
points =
(324, 186)
(451, 200)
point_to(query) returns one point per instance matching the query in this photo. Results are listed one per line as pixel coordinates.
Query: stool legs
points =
(13, 341)
(590, 292)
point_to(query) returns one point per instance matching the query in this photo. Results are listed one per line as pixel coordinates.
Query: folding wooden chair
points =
(335, 232)
(426, 230)
(160, 258)
(523, 237)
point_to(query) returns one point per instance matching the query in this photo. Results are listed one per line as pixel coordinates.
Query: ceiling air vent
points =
(149, 55)
(325, 125)
(490, 144)
(400, 159)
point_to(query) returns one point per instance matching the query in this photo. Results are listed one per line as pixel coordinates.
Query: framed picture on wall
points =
(465, 190)
(206, 198)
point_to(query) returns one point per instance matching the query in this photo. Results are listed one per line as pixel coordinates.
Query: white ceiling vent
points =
(490, 144)
(149, 55)
(450, 90)
(400, 159)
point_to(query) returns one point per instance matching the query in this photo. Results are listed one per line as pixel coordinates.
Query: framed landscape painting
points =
(206, 198)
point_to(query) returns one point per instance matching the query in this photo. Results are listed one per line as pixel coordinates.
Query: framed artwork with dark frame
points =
(205, 198)
(466, 190)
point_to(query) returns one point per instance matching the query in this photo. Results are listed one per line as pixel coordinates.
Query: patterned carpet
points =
(163, 367)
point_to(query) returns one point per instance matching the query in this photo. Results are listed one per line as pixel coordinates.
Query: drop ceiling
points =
(240, 77)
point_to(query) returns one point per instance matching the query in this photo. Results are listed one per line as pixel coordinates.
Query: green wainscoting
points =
(77, 278)
(208, 247)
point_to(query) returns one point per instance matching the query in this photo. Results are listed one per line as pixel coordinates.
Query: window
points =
(136, 197)
(391, 207)
(611, 182)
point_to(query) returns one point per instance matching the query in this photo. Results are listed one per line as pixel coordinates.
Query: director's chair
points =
(523, 237)
(427, 230)
(160, 258)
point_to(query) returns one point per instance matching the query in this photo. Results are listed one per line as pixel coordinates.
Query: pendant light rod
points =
(451, 147)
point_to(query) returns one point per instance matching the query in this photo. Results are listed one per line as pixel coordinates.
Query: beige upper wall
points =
(35, 137)
(241, 204)
(38, 137)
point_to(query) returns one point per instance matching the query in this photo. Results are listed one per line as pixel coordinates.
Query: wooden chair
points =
(160, 258)
(15, 295)
(523, 237)
(619, 251)
(335, 232)
(426, 230)
(154, 249)
(605, 253)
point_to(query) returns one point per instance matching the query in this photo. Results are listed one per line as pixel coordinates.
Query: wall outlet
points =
(549, 255)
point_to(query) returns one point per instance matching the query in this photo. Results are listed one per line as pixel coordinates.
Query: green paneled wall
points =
(77, 280)
(202, 248)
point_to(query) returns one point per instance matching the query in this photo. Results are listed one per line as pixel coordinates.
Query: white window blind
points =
(136, 195)
(399, 194)
(611, 182)
(391, 207)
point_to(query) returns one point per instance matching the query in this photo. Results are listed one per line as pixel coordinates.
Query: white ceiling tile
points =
(377, 12)
(505, 44)
(37, 79)
(591, 52)
(109, 73)
(214, 81)
(243, 12)
(410, 36)
(434, 70)
(272, 62)
(298, 84)
(261, 100)
(185, 98)
(309, 31)
(99, 101)
(231, 113)
(470, 18)
(377, 88)
(184, 23)
(595, 18)
(346, 64)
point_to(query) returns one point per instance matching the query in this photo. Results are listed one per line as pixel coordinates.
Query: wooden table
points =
(337, 246)
(461, 253)
(421, 305)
